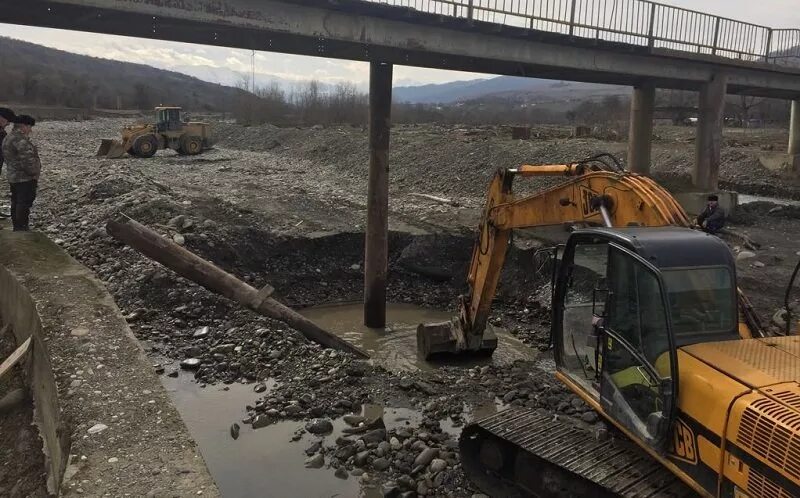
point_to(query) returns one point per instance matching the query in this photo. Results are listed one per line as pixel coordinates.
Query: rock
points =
(200, 333)
(384, 448)
(390, 490)
(97, 428)
(380, 464)
(395, 443)
(315, 462)
(427, 455)
(179, 239)
(355, 266)
(79, 332)
(235, 431)
(374, 436)
(260, 387)
(422, 488)
(438, 465)
(173, 373)
(361, 459)
(589, 417)
(759, 264)
(113, 460)
(743, 255)
(341, 473)
(261, 421)
(190, 363)
(319, 426)
(314, 448)
(353, 420)
(345, 452)
(293, 410)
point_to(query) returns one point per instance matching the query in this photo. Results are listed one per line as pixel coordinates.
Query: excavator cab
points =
(624, 301)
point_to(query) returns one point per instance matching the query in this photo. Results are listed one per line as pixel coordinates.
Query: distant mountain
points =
(33, 74)
(501, 87)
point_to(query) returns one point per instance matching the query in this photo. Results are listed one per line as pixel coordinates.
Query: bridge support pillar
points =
(705, 175)
(640, 135)
(794, 137)
(376, 246)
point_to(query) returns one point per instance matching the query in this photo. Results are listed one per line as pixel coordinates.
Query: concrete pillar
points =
(794, 137)
(640, 135)
(376, 250)
(705, 175)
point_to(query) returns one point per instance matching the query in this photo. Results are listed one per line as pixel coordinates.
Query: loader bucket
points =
(111, 149)
(448, 339)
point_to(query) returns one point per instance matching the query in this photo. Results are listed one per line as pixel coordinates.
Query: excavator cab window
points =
(586, 280)
(637, 348)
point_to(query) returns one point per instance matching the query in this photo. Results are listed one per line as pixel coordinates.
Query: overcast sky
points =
(214, 63)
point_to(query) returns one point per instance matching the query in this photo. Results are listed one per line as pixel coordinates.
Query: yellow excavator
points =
(650, 330)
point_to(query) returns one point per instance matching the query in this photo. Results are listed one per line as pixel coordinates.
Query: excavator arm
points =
(594, 193)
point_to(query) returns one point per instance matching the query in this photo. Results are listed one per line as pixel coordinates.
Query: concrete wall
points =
(18, 310)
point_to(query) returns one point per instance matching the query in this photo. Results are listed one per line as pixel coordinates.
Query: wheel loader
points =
(168, 132)
(650, 330)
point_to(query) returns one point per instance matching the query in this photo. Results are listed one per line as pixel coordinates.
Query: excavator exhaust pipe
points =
(448, 339)
(111, 149)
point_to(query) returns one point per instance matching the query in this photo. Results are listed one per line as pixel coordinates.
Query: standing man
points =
(712, 219)
(23, 169)
(6, 116)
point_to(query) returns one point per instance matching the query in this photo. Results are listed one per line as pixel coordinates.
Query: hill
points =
(33, 74)
(504, 88)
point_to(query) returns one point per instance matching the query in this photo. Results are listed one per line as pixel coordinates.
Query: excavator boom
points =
(594, 193)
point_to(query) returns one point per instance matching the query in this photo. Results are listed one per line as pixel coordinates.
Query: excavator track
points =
(520, 452)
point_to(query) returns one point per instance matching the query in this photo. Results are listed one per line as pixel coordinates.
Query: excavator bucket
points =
(448, 339)
(111, 149)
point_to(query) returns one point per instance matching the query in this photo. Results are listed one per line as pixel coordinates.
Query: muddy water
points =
(395, 346)
(266, 462)
(747, 199)
(262, 462)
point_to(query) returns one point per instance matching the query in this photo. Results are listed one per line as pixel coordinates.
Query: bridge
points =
(639, 43)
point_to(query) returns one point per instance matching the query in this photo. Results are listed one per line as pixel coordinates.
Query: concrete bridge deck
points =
(370, 31)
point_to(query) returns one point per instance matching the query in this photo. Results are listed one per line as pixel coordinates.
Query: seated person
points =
(712, 219)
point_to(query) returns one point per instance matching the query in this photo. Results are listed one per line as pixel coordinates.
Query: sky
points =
(224, 65)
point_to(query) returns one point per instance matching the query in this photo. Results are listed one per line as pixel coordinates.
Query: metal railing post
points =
(469, 10)
(716, 37)
(651, 42)
(572, 18)
(769, 45)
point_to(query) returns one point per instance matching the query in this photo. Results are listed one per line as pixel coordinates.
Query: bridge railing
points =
(635, 22)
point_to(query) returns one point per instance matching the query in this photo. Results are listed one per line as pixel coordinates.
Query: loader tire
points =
(191, 145)
(145, 146)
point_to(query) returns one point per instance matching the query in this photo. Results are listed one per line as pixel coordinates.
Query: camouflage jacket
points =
(21, 157)
(3, 135)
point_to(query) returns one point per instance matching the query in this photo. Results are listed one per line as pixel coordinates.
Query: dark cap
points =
(25, 119)
(713, 197)
(7, 113)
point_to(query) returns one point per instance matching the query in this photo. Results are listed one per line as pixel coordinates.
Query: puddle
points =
(266, 462)
(263, 462)
(747, 199)
(395, 347)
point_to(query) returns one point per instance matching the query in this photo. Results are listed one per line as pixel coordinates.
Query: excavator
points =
(650, 330)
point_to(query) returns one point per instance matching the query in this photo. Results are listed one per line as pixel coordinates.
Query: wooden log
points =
(15, 358)
(200, 271)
